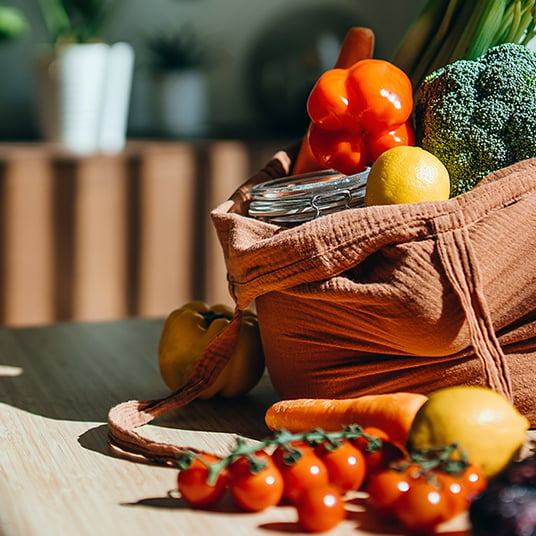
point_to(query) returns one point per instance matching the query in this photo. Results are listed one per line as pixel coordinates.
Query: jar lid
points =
(299, 198)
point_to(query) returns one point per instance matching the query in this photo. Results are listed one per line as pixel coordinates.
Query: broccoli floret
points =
(478, 116)
(521, 128)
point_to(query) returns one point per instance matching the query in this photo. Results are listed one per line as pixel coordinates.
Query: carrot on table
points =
(357, 45)
(391, 412)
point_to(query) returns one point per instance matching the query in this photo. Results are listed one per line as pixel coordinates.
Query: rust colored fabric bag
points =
(401, 297)
(379, 299)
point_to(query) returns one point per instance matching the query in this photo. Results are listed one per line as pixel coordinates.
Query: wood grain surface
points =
(101, 237)
(57, 476)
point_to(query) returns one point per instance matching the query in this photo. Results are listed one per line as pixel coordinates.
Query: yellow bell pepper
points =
(188, 330)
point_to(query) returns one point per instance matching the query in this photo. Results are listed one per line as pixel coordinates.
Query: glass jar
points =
(295, 199)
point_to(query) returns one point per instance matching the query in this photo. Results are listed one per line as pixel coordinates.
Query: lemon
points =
(407, 174)
(483, 422)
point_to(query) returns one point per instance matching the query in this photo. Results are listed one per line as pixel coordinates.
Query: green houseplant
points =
(177, 51)
(76, 21)
(84, 82)
(12, 23)
(178, 61)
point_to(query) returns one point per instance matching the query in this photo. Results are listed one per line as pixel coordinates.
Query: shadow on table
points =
(226, 505)
(79, 372)
(173, 501)
(241, 416)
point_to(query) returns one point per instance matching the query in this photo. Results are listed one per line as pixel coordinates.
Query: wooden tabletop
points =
(57, 475)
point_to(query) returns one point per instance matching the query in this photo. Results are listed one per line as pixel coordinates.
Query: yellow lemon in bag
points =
(483, 422)
(407, 174)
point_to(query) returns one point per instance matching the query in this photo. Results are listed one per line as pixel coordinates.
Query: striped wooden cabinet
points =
(111, 236)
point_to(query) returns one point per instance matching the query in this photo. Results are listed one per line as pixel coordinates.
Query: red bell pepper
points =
(358, 113)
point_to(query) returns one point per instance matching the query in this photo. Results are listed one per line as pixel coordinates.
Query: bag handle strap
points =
(125, 418)
(461, 266)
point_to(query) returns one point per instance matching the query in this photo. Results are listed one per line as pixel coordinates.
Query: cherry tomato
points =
(365, 445)
(193, 482)
(255, 489)
(305, 472)
(422, 507)
(345, 464)
(379, 459)
(413, 470)
(455, 492)
(286, 454)
(320, 508)
(385, 488)
(474, 480)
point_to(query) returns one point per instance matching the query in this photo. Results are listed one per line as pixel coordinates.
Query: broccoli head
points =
(478, 116)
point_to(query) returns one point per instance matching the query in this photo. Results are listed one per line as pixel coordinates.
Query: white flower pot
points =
(182, 102)
(84, 95)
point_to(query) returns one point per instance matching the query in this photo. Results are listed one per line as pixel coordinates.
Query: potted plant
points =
(84, 82)
(178, 61)
(12, 23)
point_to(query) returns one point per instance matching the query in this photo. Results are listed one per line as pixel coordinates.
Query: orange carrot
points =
(391, 412)
(305, 160)
(357, 45)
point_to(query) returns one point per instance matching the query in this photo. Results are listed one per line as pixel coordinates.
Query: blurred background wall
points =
(251, 43)
(100, 236)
